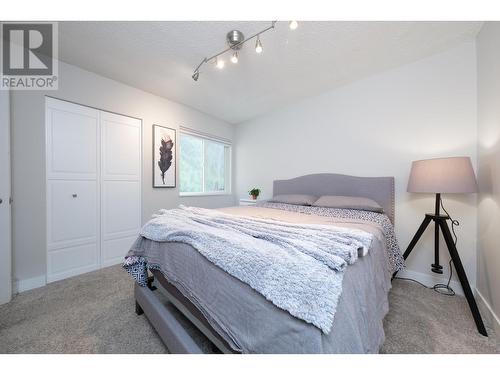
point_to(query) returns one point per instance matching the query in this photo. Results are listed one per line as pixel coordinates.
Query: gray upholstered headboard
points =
(380, 189)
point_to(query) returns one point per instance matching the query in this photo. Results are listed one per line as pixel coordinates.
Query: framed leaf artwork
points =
(164, 157)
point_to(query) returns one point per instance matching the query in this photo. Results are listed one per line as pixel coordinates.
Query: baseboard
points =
(431, 280)
(24, 285)
(112, 262)
(28, 284)
(488, 314)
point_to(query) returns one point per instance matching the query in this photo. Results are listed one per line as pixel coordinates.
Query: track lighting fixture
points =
(234, 58)
(258, 46)
(235, 41)
(219, 63)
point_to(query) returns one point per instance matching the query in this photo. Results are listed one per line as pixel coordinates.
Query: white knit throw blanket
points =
(298, 267)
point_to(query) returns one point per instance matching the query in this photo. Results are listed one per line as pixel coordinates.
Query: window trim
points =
(228, 170)
(201, 194)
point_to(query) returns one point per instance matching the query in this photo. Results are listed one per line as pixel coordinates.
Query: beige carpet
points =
(94, 313)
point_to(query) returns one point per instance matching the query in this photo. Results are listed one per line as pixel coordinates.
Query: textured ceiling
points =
(160, 57)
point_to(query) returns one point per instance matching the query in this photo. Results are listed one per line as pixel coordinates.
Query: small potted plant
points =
(254, 193)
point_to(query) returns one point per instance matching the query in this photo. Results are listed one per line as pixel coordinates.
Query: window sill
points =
(204, 194)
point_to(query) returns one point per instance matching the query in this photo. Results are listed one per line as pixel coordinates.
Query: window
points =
(205, 166)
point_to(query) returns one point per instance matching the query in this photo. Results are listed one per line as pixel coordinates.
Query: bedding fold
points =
(350, 243)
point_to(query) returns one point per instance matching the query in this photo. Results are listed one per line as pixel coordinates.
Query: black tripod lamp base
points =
(441, 224)
(437, 268)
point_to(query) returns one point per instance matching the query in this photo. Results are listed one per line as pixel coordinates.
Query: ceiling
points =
(159, 57)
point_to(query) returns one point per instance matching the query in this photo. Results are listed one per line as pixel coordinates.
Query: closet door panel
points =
(71, 261)
(121, 154)
(121, 208)
(72, 141)
(121, 185)
(114, 251)
(72, 212)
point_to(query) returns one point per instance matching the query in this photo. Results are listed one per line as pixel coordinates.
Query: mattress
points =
(251, 324)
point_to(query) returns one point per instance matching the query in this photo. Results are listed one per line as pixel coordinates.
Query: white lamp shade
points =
(443, 175)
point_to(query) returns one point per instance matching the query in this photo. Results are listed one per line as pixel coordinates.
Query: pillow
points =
(300, 199)
(355, 203)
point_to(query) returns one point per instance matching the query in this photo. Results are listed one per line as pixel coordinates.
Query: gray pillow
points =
(299, 199)
(355, 203)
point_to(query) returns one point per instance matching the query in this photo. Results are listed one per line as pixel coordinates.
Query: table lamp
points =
(453, 175)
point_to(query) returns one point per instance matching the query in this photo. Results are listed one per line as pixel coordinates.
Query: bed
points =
(236, 318)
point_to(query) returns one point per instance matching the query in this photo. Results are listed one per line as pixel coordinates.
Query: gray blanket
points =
(298, 267)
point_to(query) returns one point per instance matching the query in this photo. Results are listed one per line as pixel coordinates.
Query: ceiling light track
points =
(235, 43)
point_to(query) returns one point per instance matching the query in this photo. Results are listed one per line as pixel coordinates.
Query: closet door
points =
(120, 185)
(72, 152)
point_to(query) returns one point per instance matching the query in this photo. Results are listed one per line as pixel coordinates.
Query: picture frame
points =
(164, 157)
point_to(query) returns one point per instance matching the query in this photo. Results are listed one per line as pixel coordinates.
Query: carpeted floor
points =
(94, 313)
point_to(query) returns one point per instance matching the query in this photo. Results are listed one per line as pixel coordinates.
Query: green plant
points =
(254, 192)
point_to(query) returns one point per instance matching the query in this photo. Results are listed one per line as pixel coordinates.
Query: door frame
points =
(5, 196)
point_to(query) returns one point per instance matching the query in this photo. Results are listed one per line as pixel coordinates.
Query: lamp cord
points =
(445, 289)
(442, 288)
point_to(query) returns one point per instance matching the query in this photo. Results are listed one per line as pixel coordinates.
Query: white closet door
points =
(121, 185)
(72, 139)
(93, 187)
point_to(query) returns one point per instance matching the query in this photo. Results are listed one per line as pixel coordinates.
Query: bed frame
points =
(171, 331)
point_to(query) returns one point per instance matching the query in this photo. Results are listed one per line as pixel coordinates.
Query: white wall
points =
(376, 127)
(28, 150)
(488, 82)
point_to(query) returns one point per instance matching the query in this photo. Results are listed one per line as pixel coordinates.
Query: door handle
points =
(75, 195)
(1, 200)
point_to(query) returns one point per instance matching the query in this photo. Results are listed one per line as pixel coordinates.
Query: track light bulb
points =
(219, 63)
(258, 46)
(293, 25)
(234, 58)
